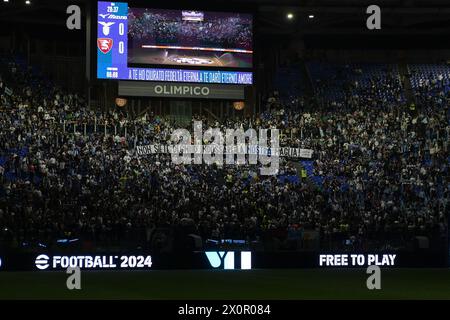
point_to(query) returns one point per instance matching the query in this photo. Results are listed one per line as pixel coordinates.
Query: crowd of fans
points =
(378, 177)
(167, 28)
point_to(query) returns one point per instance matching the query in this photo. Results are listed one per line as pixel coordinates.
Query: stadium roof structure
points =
(330, 16)
(419, 22)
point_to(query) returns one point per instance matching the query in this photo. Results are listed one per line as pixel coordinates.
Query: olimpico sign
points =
(181, 90)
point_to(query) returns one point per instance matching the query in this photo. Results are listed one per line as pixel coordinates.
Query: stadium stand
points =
(333, 81)
(378, 179)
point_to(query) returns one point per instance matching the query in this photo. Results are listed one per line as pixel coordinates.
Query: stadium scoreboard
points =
(143, 44)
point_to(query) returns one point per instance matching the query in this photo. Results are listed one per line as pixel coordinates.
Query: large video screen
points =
(173, 45)
(189, 38)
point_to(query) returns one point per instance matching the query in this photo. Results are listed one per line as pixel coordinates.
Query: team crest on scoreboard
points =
(105, 44)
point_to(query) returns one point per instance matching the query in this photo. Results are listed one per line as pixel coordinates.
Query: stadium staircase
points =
(308, 167)
(307, 83)
(284, 80)
(290, 82)
(326, 82)
(406, 82)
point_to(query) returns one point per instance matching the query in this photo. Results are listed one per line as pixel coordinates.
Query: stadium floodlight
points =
(311, 16)
(5, 0)
(290, 16)
(28, 2)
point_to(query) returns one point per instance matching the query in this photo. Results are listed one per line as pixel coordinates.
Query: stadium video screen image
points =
(173, 45)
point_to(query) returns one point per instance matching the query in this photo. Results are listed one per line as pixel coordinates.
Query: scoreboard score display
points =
(173, 45)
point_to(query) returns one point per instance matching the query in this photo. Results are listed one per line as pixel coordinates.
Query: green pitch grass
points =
(254, 284)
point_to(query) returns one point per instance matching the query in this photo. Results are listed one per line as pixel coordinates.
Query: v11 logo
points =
(226, 259)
